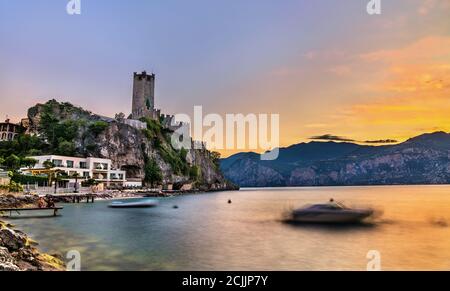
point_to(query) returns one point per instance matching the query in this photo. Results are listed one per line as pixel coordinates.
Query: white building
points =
(9, 131)
(95, 168)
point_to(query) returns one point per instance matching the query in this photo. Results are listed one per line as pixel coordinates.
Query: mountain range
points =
(424, 159)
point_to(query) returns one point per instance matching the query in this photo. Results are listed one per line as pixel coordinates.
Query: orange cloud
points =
(413, 88)
(429, 48)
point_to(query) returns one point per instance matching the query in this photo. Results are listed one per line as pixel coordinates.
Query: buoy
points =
(229, 201)
(175, 207)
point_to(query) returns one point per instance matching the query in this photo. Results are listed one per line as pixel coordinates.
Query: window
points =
(83, 165)
(86, 174)
(101, 166)
(69, 164)
(57, 163)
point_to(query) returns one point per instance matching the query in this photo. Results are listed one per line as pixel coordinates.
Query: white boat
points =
(332, 212)
(136, 204)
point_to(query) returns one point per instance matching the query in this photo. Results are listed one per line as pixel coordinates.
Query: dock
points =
(73, 198)
(18, 210)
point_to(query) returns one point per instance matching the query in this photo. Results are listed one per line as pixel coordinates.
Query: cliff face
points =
(18, 251)
(129, 148)
(248, 171)
(421, 160)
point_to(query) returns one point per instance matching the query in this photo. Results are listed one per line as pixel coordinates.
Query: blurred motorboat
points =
(333, 212)
(134, 204)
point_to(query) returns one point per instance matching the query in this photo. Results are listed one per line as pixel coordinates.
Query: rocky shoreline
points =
(17, 251)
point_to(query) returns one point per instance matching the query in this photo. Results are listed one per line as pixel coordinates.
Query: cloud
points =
(407, 88)
(425, 49)
(340, 70)
(427, 6)
(330, 137)
(381, 141)
(324, 55)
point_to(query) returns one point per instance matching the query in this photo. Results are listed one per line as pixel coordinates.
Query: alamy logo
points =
(374, 7)
(234, 132)
(74, 263)
(74, 7)
(374, 258)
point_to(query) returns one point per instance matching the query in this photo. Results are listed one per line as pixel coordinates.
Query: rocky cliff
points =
(68, 130)
(17, 253)
(421, 160)
(17, 250)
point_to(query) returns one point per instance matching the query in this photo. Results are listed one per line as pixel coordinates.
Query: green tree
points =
(153, 173)
(215, 157)
(89, 182)
(28, 162)
(66, 148)
(48, 165)
(59, 176)
(76, 176)
(67, 130)
(48, 125)
(12, 162)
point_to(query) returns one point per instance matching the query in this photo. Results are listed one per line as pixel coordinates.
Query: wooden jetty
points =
(74, 198)
(18, 210)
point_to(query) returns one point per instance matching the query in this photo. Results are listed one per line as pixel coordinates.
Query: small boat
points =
(136, 204)
(333, 212)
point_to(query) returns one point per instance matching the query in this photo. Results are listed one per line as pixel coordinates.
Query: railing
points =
(51, 190)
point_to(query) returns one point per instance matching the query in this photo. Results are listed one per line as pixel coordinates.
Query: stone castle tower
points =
(143, 96)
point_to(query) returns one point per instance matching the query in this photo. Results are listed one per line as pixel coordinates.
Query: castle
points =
(144, 96)
(143, 105)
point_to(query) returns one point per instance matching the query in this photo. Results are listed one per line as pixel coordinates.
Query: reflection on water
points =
(207, 233)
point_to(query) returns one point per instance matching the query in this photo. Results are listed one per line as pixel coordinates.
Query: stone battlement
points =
(144, 76)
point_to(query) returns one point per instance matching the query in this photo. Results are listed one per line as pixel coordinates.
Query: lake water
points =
(207, 233)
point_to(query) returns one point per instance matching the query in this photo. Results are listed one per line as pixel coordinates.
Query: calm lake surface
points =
(207, 233)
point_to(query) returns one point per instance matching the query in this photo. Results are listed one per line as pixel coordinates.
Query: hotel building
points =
(86, 168)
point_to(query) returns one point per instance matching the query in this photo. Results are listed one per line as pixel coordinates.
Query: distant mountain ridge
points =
(424, 159)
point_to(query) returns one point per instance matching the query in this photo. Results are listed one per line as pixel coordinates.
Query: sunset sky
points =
(327, 67)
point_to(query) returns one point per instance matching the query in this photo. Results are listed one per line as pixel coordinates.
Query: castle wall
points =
(135, 123)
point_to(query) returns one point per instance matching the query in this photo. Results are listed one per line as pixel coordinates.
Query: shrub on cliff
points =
(154, 127)
(12, 187)
(153, 173)
(98, 127)
(194, 173)
(215, 157)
